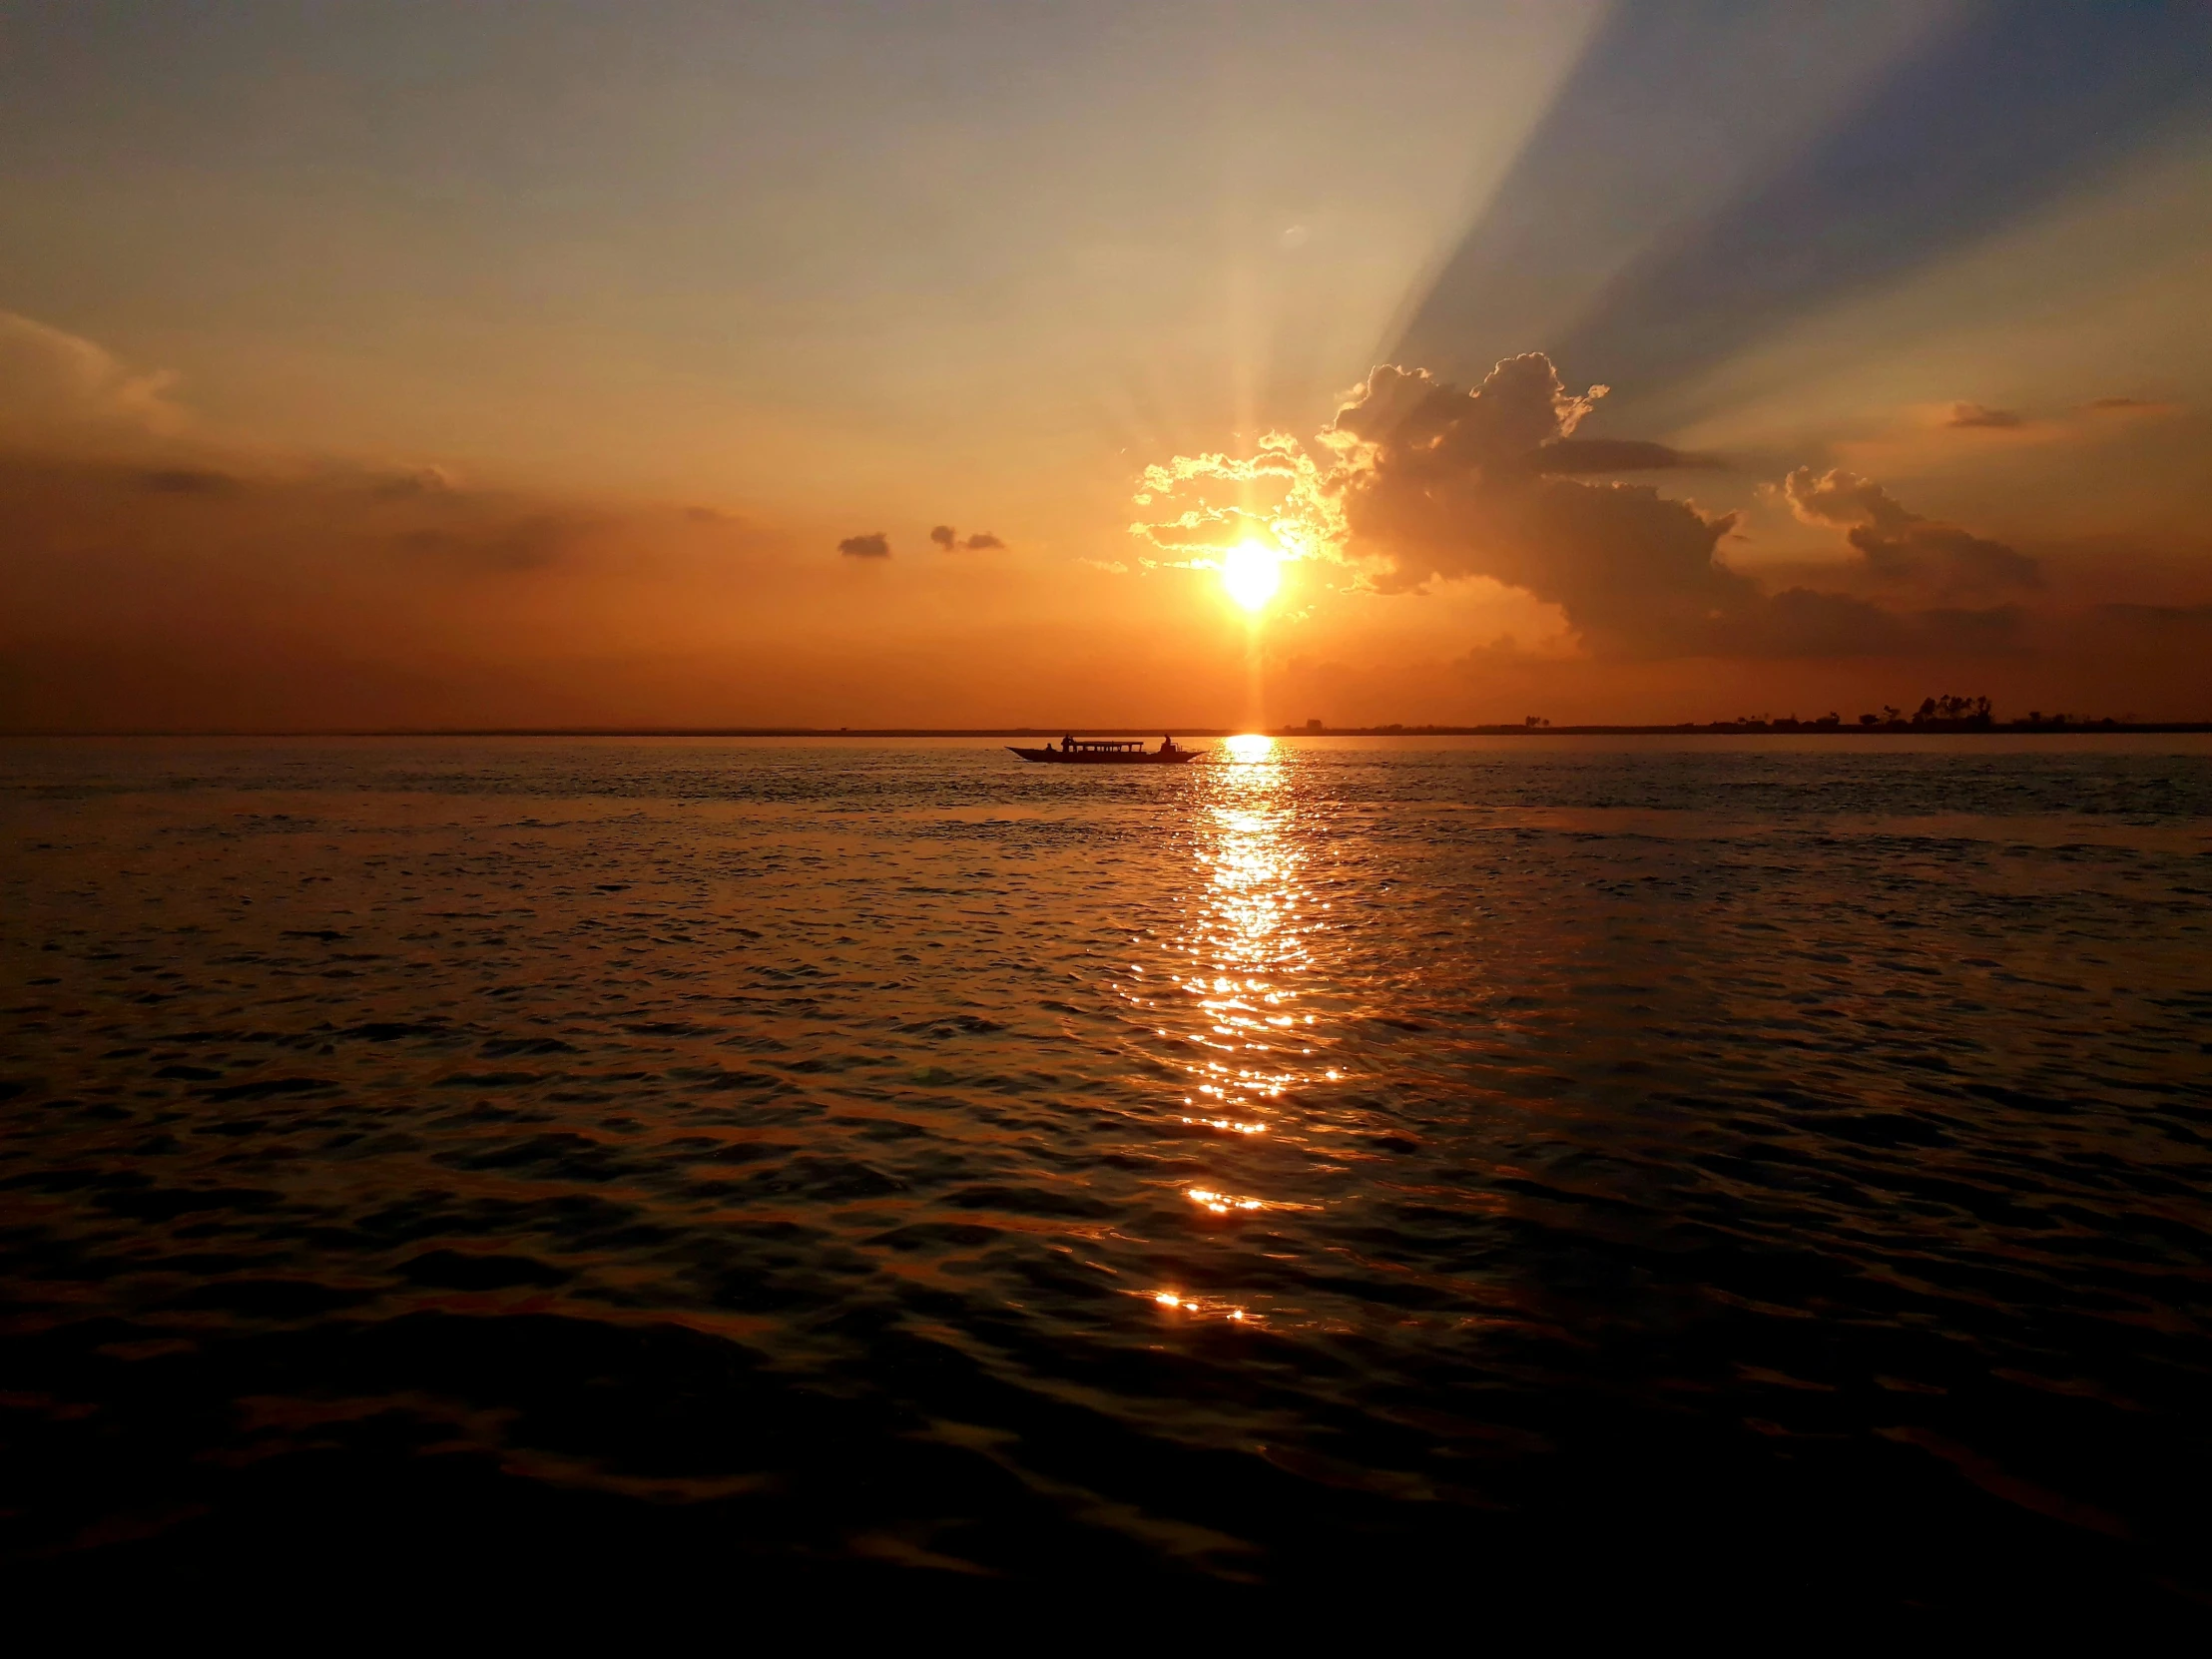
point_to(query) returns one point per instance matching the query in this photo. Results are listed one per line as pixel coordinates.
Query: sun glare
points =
(1251, 574)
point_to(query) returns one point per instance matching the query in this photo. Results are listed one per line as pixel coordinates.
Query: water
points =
(1769, 1170)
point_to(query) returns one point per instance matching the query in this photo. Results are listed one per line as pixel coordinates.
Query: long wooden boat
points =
(1094, 752)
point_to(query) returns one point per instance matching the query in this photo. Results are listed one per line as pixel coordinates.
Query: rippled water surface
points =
(1770, 1169)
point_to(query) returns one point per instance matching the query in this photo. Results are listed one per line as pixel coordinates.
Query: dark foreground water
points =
(1531, 1175)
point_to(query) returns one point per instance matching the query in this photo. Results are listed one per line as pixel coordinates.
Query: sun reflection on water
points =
(1243, 963)
(1246, 939)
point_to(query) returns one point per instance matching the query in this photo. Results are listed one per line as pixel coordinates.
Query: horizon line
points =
(2060, 726)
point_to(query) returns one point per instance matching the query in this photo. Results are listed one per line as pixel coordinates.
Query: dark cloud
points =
(1582, 455)
(875, 545)
(1951, 557)
(1901, 547)
(1437, 482)
(2130, 406)
(950, 539)
(1974, 414)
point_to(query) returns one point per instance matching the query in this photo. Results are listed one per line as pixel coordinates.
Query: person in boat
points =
(1067, 744)
(1167, 742)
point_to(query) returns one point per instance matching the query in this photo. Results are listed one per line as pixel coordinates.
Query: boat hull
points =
(1055, 757)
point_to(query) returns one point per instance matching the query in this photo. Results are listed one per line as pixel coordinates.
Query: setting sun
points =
(1251, 574)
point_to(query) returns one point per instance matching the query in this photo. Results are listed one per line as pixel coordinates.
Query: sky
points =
(565, 363)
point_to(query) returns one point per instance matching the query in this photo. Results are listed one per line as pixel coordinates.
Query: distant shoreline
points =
(1716, 729)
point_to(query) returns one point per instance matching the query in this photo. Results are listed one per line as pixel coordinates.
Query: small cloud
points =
(1575, 455)
(1112, 567)
(1839, 497)
(1976, 414)
(1901, 546)
(2129, 406)
(875, 545)
(52, 379)
(950, 539)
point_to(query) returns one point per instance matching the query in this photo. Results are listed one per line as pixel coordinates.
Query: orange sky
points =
(447, 367)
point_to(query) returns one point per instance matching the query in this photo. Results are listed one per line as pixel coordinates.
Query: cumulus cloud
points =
(1425, 480)
(946, 537)
(54, 383)
(1974, 414)
(1901, 547)
(1839, 497)
(1416, 479)
(875, 545)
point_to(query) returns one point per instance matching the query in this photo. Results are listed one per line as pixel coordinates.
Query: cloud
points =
(1436, 482)
(950, 539)
(1839, 497)
(1572, 455)
(2139, 407)
(52, 380)
(1417, 480)
(1901, 547)
(1974, 414)
(875, 545)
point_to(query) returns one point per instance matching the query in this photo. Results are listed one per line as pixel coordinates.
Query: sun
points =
(1251, 574)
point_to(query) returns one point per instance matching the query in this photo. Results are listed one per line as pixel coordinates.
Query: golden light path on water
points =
(1246, 954)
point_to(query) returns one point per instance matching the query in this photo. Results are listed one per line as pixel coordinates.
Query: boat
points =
(1099, 751)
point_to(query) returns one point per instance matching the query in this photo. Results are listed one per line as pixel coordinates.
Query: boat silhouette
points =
(1097, 751)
